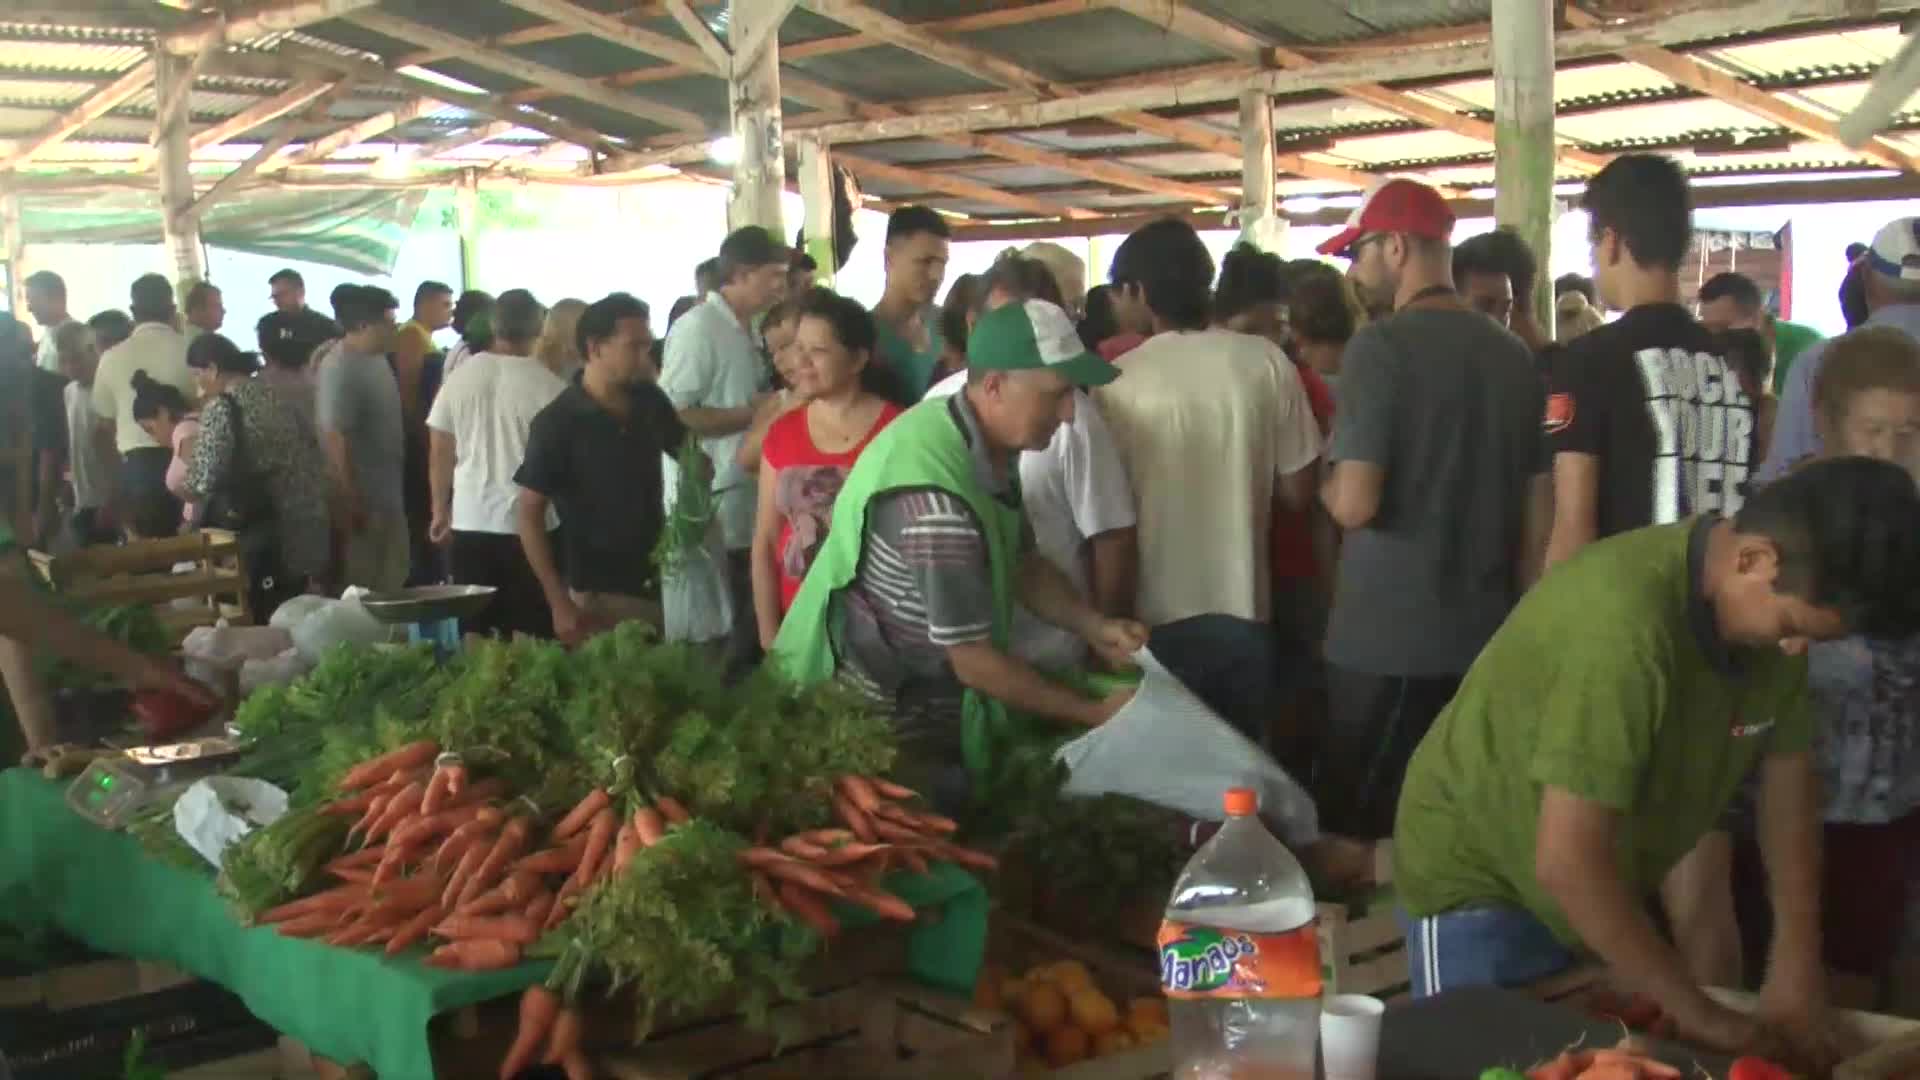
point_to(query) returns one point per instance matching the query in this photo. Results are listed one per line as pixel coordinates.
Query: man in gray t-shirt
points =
(362, 428)
(1441, 481)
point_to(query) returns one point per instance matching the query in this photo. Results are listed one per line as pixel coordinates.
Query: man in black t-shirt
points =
(1648, 425)
(595, 453)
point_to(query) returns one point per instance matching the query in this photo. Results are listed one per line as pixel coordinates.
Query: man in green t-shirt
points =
(1611, 720)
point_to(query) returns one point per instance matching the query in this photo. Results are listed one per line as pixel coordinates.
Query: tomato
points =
(163, 714)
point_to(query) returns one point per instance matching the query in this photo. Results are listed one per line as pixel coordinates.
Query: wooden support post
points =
(1260, 222)
(760, 171)
(1524, 150)
(466, 212)
(179, 225)
(13, 246)
(816, 192)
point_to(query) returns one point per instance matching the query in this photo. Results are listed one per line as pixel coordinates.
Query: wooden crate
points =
(882, 1029)
(142, 572)
(1016, 945)
(1362, 949)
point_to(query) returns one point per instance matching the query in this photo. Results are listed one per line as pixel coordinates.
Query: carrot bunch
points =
(1614, 1064)
(804, 873)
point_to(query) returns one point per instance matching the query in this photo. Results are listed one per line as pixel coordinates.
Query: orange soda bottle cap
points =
(1241, 802)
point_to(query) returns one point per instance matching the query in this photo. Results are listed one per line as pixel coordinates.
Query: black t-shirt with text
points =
(1651, 396)
(604, 476)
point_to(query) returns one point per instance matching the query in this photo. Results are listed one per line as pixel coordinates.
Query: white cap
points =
(1896, 250)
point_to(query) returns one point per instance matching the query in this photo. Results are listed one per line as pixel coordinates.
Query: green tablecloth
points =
(350, 1005)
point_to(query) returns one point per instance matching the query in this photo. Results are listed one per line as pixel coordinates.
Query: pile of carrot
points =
(804, 873)
(442, 858)
(1615, 1064)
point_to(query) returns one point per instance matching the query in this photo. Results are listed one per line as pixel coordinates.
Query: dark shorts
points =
(143, 502)
(520, 605)
(1374, 722)
(1867, 873)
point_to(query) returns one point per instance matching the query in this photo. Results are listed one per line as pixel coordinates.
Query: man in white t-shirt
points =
(47, 303)
(1214, 426)
(715, 375)
(155, 347)
(478, 432)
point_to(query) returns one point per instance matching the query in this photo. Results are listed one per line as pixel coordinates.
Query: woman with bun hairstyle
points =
(168, 418)
(257, 468)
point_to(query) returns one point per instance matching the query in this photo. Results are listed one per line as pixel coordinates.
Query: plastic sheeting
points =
(357, 230)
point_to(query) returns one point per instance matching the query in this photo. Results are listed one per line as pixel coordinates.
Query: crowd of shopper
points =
(1536, 604)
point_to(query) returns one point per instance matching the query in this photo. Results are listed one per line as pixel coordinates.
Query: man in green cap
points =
(910, 599)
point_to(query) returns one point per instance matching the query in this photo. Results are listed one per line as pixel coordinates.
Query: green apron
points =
(924, 448)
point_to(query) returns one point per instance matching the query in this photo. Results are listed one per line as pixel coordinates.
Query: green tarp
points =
(358, 230)
(351, 1005)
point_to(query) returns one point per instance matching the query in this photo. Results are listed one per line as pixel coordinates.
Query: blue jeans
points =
(1482, 946)
(1238, 667)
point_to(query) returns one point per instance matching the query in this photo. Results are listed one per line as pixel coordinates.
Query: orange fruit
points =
(1044, 1007)
(1151, 1009)
(1066, 1045)
(986, 989)
(1093, 1011)
(1111, 1042)
(1070, 975)
(1011, 991)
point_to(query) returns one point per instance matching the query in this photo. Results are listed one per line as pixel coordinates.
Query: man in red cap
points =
(1440, 479)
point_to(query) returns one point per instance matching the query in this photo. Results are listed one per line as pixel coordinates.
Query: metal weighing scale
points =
(431, 613)
(114, 787)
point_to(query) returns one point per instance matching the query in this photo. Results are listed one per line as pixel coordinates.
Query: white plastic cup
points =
(1350, 1036)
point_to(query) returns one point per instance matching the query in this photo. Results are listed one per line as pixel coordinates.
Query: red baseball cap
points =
(1397, 206)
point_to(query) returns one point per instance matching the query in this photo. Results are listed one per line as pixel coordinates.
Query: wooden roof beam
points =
(260, 112)
(1181, 19)
(257, 21)
(1107, 172)
(1434, 116)
(957, 186)
(585, 89)
(701, 34)
(304, 59)
(461, 140)
(93, 107)
(1692, 73)
(1201, 137)
(903, 35)
(356, 133)
(682, 58)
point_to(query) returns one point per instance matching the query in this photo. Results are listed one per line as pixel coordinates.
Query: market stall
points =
(352, 934)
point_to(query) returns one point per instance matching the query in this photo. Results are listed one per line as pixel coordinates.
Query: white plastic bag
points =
(694, 599)
(296, 610)
(337, 621)
(279, 670)
(230, 646)
(1167, 748)
(217, 810)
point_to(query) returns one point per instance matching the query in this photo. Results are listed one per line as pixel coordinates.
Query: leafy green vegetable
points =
(1103, 852)
(272, 865)
(683, 927)
(136, 626)
(685, 532)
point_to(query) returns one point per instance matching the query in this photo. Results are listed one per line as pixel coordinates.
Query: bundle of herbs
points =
(684, 536)
(1102, 853)
(271, 865)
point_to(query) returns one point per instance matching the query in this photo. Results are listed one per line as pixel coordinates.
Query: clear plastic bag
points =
(1167, 748)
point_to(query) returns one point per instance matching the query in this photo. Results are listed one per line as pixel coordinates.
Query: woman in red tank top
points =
(807, 453)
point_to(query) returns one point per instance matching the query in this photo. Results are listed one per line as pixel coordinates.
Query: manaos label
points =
(1207, 962)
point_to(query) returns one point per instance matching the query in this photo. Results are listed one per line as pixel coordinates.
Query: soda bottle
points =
(1239, 958)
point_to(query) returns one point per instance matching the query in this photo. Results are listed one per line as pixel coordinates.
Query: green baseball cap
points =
(1033, 335)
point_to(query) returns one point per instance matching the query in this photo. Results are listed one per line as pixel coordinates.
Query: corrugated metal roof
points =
(1607, 104)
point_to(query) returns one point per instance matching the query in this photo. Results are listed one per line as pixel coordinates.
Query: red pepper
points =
(163, 714)
(1753, 1068)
